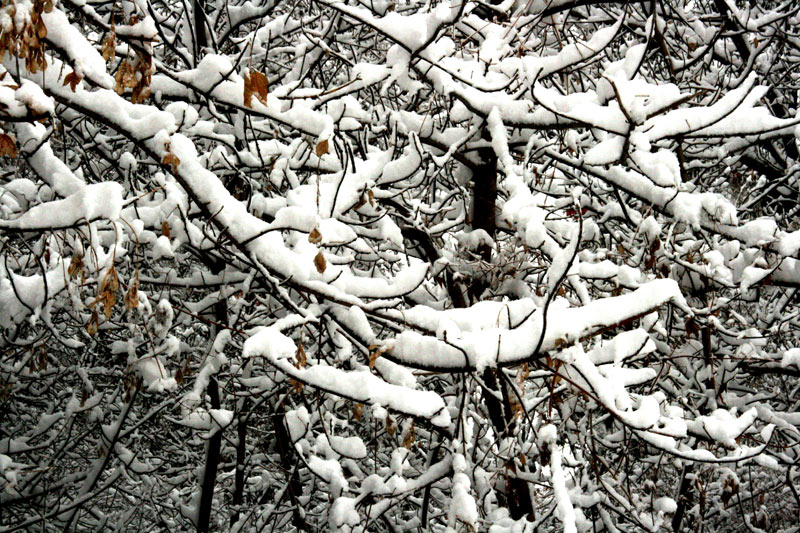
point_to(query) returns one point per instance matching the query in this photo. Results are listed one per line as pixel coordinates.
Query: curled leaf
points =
(94, 323)
(72, 79)
(132, 296)
(410, 438)
(171, 160)
(75, 266)
(110, 281)
(301, 357)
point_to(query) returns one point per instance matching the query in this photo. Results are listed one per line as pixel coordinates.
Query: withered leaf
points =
(319, 262)
(75, 266)
(322, 148)
(297, 386)
(124, 77)
(373, 356)
(300, 356)
(315, 237)
(165, 229)
(358, 412)
(171, 160)
(410, 438)
(109, 300)
(110, 45)
(94, 323)
(255, 84)
(7, 146)
(524, 372)
(110, 281)
(132, 296)
(390, 427)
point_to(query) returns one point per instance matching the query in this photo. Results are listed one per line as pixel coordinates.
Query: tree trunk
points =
(212, 463)
(484, 202)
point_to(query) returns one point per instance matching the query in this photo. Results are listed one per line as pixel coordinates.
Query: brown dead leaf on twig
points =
(255, 84)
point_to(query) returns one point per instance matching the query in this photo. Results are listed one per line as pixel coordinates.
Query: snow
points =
(791, 357)
(343, 512)
(665, 504)
(82, 53)
(564, 509)
(155, 377)
(491, 345)
(102, 200)
(462, 505)
(361, 386)
(723, 426)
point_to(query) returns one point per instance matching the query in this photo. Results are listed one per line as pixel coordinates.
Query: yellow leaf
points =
(319, 262)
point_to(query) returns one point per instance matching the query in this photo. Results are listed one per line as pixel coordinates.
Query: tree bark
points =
(212, 463)
(484, 202)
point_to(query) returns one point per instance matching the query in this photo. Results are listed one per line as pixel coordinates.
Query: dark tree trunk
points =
(484, 183)
(212, 463)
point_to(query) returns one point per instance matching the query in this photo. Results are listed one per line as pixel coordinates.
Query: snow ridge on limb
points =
(486, 345)
(361, 386)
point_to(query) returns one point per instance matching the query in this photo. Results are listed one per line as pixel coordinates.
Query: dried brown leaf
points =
(94, 323)
(75, 266)
(132, 295)
(109, 302)
(171, 160)
(297, 386)
(322, 148)
(373, 356)
(301, 357)
(165, 229)
(315, 237)
(410, 438)
(255, 84)
(7, 146)
(319, 262)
